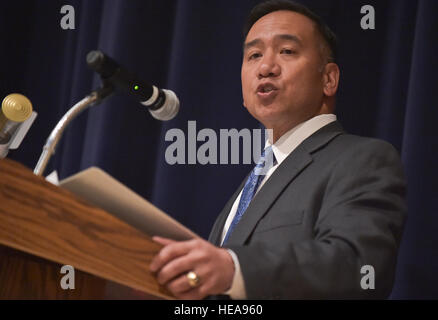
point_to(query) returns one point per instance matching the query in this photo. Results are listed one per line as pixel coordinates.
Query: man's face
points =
(282, 81)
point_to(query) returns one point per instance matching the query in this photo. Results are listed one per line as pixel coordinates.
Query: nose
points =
(268, 66)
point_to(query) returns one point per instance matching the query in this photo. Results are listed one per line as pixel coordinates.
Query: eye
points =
(287, 51)
(254, 55)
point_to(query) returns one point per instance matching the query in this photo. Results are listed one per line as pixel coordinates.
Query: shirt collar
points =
(295, 136)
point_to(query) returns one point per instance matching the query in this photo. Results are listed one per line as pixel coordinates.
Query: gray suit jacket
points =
(335, 204)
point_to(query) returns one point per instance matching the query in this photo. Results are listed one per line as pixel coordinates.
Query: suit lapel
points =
(290, 168)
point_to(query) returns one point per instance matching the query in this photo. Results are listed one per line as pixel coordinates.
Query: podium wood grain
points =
(44, 222)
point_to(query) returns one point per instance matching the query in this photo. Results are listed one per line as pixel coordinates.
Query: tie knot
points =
(267, 161)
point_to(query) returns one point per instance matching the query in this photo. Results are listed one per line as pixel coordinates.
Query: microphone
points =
(16, 117)
(163, 104)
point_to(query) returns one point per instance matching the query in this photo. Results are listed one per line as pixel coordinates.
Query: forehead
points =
(282, 22)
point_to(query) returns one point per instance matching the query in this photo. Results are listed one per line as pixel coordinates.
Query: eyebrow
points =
(257, 41)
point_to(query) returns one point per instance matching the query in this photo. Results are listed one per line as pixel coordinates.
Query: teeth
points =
(267, 89)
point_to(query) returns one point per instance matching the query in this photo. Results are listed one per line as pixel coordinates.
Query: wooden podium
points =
(43, 227)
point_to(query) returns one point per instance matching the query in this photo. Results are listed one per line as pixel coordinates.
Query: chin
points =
(270, 110)
(267, 117)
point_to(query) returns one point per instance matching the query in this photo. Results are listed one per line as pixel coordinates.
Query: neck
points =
(279, 129)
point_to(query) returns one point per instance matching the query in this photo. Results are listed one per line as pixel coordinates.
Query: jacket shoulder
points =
(352, 144)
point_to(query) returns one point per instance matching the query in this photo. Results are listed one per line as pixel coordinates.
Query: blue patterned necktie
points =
(267, 160)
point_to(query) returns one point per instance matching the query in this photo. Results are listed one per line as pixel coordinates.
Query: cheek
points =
(244, 95)
(306, 84)
(246, 91)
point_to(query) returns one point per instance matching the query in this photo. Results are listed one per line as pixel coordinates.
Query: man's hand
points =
(214, 267)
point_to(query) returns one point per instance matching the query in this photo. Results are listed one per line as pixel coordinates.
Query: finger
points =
(162, 240)
(181, 288)
(177, 266)
(194, 294)
(170, 252)
(155, 264)
(179, 285)
(185, 294)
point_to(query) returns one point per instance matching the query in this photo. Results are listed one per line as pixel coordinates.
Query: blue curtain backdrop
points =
(388, 90)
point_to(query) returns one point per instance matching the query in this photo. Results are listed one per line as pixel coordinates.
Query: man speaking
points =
(329, 206)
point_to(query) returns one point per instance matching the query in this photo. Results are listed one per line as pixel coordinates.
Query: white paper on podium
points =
(101, 190)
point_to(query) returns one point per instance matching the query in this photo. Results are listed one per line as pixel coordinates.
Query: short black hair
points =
(267, 7)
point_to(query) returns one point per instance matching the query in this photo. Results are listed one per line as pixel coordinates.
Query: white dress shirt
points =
(281, 148)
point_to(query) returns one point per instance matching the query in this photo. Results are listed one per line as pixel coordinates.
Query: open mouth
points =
(266, 90)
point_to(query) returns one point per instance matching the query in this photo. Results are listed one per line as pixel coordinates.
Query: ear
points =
(331, 79)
